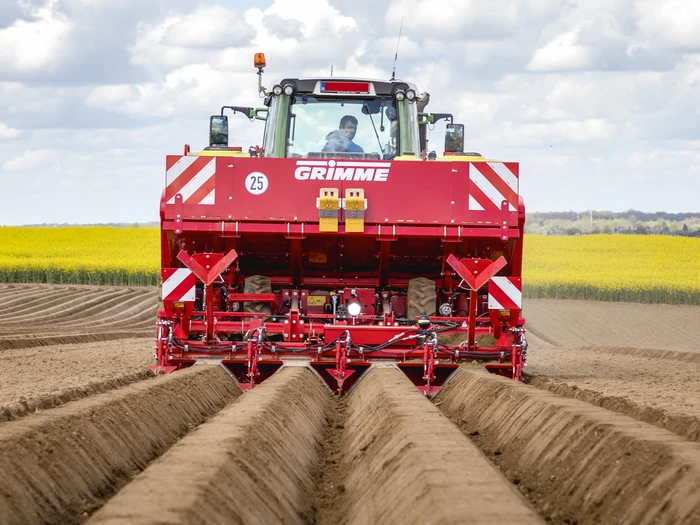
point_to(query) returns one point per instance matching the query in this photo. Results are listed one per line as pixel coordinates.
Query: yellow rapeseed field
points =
(644, 268)
(80, 255)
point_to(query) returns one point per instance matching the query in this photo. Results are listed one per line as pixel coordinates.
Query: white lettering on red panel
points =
(342, 170)
(505, 293)
(178, 284)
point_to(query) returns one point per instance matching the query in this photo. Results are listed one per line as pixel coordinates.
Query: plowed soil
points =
(607, 431)
(41, 315)
(654, 377)
(44, 377)
(575, 324)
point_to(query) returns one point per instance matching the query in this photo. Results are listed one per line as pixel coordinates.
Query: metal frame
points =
(210, 239)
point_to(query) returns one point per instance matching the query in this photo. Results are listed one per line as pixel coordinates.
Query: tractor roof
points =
(381, 87)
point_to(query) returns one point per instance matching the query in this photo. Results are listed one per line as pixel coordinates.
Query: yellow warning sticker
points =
(317, 257)
(316, 300)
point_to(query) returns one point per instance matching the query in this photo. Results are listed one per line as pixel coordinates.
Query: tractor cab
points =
(357, 119)
(336, 118)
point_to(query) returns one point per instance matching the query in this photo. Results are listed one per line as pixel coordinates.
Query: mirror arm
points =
(248, 112)
(440, 116)
(260, 113)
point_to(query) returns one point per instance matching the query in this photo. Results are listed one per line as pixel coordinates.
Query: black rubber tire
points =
(257, 284)
(422, 297)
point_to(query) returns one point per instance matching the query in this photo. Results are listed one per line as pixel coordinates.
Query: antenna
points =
(331, 69)
(396, 56)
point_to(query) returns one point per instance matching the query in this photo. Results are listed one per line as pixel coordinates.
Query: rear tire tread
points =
(422, 297)
(257, 284)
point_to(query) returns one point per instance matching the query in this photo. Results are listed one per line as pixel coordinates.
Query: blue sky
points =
(598, 100)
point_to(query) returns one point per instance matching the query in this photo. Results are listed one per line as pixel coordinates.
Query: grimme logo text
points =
(342, 170)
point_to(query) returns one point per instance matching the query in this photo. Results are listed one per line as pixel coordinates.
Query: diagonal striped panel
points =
(171, 160)
(178, 284)
(483, 191)
(182, 173)
(505, 293)
(493, 184)
(479, 200)
(210, 198)
(509, 177)
(207, 188)
(203, 177)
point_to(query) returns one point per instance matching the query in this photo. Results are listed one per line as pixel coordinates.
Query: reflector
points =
(344, 87)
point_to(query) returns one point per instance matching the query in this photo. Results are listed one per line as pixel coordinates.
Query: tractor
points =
(340, 243)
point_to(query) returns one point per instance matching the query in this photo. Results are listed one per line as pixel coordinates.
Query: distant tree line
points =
(630, 222)
(610, 215)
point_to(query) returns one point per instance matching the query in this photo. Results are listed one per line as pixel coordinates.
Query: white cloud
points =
(598, 43)
(189, 38)
(560, 132)
(31, 159)
(187, 90)
(672, 23)
(37, 44)
(562, 53)
(207, 27)
(8, 133)
(590, 96)
(475, 19)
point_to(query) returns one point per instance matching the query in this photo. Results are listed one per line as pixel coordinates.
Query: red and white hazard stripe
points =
(192, 177)
(178, 284)
(505, 293)
(491, 183)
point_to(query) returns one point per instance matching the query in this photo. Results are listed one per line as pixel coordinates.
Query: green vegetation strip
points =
(639, 268)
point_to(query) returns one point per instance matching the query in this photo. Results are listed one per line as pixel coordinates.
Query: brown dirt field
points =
(572, 324)
(61, 464)
(45, 377)
(578, 463)
(252, 463)
(404, 462)
(41, 314)
(654, 378)
(382, 454)
(397, 453)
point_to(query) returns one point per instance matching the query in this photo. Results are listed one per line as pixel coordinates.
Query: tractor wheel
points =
(422, 297)
(257, 284)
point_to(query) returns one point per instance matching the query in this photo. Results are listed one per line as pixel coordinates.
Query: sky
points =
(599, 100)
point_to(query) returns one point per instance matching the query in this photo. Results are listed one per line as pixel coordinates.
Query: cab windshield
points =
(346, 128)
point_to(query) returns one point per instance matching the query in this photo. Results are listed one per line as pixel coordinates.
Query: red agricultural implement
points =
(340, 243)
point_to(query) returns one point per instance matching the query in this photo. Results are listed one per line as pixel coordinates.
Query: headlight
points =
(410, 95)
(288, 90)
(354, 308)
(400, 95)
(277, 90)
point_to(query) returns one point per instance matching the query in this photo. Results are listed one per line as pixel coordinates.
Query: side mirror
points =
(454, 138)
(218, 131)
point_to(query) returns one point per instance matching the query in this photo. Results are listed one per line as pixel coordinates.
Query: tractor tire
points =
(257, 284)
(422, 297)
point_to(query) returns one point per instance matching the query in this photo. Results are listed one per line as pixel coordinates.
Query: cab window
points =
(337, 127)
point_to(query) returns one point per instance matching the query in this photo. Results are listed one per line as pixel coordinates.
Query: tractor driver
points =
(340, 140)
